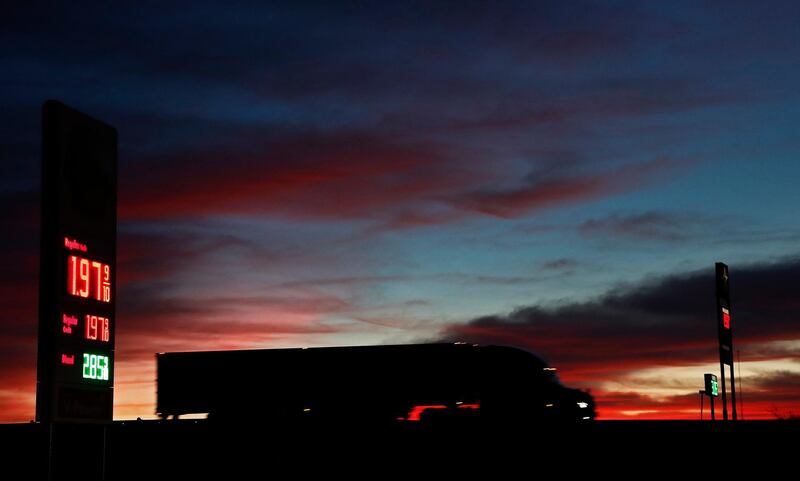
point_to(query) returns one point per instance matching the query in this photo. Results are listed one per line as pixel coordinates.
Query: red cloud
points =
(354, 176)
(343, 176)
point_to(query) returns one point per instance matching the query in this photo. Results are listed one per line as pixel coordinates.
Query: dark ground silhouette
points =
(245, 450)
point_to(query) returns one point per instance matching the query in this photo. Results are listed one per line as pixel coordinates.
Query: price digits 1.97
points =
(88, 278)
(97, 328)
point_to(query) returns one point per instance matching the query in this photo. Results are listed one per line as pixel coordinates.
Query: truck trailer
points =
(392, 383)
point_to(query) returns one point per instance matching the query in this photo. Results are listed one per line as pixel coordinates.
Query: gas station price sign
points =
(86, 318)
(77, 286)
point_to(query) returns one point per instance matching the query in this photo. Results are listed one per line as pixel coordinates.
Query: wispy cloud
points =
(553, 188)
(663, 226)
(563, 263)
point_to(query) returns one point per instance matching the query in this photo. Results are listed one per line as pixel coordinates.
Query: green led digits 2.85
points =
(95, 367)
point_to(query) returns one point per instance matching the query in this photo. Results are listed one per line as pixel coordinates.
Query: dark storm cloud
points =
(666, 321)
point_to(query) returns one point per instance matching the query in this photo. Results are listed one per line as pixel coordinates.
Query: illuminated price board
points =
(726, 318)
(77, 291)
(712, 386)
(724, 314)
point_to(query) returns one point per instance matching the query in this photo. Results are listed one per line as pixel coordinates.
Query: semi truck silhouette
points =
(390, 384)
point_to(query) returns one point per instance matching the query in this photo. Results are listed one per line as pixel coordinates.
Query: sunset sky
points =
(559, 176)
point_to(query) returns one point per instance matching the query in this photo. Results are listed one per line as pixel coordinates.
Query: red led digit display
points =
(726, 318)
(97, 328)
(88, 278)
